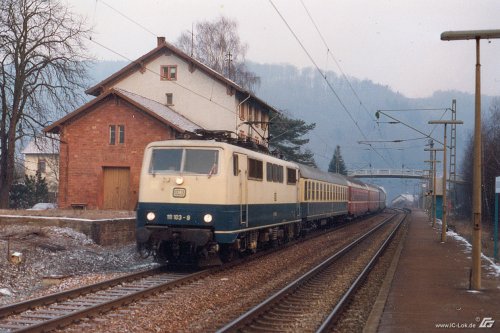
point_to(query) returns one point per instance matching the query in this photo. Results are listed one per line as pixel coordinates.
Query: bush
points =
(26, 195)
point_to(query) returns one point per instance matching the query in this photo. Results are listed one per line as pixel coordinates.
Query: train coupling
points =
(210, 256)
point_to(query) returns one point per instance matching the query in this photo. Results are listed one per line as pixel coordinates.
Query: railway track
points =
(295, 307)
(61, 309)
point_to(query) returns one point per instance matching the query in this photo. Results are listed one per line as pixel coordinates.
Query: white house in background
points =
(42, 155)
(169, 76)
(162, 95)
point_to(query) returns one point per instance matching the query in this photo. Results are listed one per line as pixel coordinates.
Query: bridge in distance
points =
(394, 173)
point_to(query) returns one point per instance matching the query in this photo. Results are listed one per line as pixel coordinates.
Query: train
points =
(208, 201)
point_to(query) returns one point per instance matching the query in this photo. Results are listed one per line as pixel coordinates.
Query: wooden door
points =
(116, 188)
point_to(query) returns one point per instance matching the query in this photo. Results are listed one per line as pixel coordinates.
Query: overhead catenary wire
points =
(329, 52)
(158, 74)
(178, 84)
(150, 70)
(396, 121)
(318, 69)
(127, 17)
(209, 99)
(332, 89)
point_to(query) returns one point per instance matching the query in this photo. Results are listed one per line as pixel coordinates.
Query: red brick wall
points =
(85, 150)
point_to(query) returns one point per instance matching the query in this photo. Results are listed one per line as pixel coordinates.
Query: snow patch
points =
(5, 292)
(494, 267)
(69, 233)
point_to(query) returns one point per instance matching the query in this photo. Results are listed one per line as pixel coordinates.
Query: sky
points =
(390, 42)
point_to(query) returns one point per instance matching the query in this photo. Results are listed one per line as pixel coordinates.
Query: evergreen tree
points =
(34, 190)
(337, 164)
(286, 137)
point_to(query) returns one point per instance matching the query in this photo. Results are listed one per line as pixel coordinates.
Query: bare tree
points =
(491, 157)
(42, 72)
(217, 45)
(490, 165)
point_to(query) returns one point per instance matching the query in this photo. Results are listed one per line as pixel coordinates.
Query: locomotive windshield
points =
(173, 160)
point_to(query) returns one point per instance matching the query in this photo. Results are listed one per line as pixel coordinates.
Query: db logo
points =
(487, 322)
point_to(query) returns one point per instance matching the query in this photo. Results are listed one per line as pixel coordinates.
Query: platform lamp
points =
(476, 178)
(445, 123)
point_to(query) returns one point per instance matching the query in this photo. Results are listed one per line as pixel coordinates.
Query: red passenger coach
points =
(373, 198)
(364, 198)
(358, 197)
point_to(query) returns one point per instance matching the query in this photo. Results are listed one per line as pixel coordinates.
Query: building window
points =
(250, 113)
(170, 98)
(242, 111)
(121, 134)
(42, 166)
(113, 135)
(169, 72)
(257, 118)
(264, 119)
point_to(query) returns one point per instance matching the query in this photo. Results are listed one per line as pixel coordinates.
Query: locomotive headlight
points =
(150, 216)
(207, 218)
(179, 180)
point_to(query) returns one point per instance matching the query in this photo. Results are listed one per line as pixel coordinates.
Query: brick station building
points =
(102, 144)
(156, 97)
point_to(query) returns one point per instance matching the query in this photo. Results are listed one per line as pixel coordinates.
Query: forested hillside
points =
(344, 113)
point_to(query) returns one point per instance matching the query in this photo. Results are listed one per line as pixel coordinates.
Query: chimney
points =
(160, 41)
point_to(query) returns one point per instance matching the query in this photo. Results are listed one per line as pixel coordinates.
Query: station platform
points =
(428, 289)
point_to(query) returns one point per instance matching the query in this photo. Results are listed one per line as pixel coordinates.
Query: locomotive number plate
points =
(179, 192)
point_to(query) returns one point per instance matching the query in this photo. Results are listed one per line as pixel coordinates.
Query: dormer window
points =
(169, 72)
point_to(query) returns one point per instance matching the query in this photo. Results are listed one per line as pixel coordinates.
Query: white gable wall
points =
(51, 173)
(196, 95)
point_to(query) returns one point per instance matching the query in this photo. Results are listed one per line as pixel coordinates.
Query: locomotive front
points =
(182, 188)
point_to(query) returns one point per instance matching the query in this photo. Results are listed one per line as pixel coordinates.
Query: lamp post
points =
(445, 123)
(476, 178)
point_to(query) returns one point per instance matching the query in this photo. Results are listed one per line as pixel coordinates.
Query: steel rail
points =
(241, 321)
(15, 308)
(334, 315)
(98, 309)
(72, 294)
(67, 319)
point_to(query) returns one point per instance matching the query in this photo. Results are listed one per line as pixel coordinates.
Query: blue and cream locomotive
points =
(204, 199)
